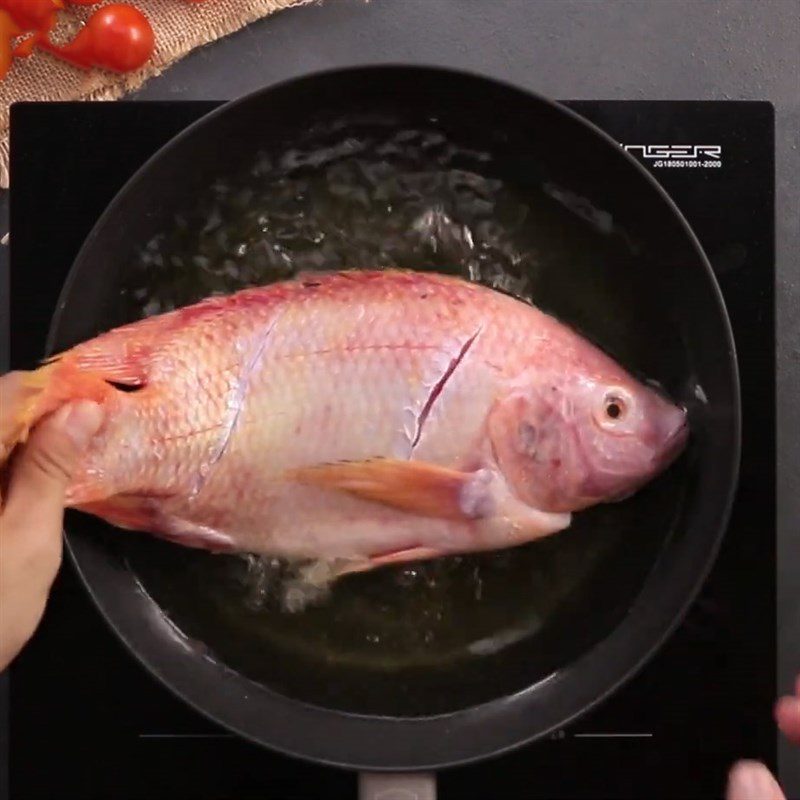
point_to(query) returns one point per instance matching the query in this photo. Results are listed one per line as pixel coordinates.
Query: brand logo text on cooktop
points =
(677, 155)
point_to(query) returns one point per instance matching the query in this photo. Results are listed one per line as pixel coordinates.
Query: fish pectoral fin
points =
(413, 486)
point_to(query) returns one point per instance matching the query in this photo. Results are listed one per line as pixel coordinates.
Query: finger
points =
(750, 780)
(45, 466)
(787, 715)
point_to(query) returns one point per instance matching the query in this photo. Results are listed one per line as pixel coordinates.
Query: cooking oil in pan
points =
(391, 641)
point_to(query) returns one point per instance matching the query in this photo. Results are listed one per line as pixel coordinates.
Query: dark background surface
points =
(732, 49)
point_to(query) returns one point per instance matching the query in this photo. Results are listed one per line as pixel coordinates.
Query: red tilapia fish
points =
(353, 420)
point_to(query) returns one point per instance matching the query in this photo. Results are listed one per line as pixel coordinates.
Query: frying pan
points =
(341, 684)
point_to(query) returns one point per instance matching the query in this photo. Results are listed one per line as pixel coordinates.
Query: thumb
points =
(750, 780)
(45, 466)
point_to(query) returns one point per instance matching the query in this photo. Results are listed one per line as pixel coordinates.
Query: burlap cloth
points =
(179, 27)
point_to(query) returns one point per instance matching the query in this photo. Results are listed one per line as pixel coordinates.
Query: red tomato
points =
(39, 15)
(122, 37)
(8, 31)
(5, 58)
(117, 37)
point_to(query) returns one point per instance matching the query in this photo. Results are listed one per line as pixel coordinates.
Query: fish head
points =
(569, 441)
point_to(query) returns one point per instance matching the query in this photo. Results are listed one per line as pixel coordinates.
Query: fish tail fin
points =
(98, 369)
(94, 370)
(40, 392)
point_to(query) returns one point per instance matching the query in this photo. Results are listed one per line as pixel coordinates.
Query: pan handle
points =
(396, 786)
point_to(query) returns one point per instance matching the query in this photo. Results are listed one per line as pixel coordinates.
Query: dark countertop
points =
(628, 49)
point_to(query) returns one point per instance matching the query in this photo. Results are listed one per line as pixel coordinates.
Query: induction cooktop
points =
(86, 720)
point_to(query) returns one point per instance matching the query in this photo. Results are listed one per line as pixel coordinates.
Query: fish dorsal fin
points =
(413, 486)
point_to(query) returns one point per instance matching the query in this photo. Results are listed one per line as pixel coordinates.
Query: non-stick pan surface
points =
(451, 661)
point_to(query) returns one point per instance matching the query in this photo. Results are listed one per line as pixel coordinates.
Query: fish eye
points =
(615, 407)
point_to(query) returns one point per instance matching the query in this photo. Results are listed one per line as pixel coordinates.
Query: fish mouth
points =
(674, 444)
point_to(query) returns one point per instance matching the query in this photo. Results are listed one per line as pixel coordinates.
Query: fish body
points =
(355, 419)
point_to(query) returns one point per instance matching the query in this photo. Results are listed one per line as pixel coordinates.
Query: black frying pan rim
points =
(390, 743)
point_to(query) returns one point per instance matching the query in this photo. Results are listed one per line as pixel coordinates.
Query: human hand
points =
(750, 780)
(33, 509)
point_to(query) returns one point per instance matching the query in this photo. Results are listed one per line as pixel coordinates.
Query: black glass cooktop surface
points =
(86, 720)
